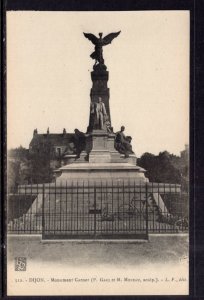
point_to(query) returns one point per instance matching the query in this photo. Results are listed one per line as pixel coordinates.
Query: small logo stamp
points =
(20, 263)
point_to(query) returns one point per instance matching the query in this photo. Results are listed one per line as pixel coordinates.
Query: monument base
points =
(100, 171)
(102, 162)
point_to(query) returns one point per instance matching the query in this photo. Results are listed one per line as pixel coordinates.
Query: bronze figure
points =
(99, 43)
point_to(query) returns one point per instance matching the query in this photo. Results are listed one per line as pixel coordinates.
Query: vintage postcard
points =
(98, 152)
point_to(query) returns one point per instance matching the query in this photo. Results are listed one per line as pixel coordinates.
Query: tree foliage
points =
(164, 167)
(17, 168)
(25, 167)
(40, 166)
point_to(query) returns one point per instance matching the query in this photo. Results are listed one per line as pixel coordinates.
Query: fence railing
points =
(102, 209)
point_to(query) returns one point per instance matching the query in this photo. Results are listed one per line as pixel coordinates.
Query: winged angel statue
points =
(99, 43)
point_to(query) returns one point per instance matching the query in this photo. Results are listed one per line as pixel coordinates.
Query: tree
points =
(18, 162)
(40, 158)
(160, 168)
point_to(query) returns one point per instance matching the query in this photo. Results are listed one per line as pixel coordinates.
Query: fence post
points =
(146, 212)
(43, 210)
(94, 209)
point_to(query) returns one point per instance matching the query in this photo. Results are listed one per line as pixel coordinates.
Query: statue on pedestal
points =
(99, 110)
(123, 143)
(101, 114)
(98, 115)
(99, 43)
(79, 142)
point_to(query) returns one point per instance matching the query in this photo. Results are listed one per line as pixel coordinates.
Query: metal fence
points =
(98, 210)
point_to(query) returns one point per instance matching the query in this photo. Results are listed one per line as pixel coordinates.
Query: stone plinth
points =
(72, 158)
(100, 171)
(101, 162)
(100, 152)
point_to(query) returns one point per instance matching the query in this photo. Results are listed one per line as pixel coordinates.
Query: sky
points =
(48, 75)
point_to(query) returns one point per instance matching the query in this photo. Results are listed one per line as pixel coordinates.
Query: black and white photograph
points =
(98, 152)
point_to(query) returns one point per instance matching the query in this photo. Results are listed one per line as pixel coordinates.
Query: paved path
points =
(157, 267)
(160, 248)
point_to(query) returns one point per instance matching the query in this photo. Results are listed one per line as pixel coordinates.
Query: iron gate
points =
(95, 211)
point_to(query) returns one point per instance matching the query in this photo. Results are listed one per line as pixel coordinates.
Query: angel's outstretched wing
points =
(91, 38)
(108, 38)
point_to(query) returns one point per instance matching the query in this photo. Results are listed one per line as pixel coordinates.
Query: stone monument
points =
(106, 155)
(99, 191)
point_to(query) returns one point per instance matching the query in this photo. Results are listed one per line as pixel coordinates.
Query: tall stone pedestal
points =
(100, 89)
(100, 160)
